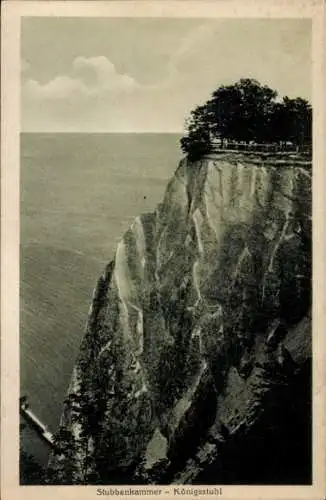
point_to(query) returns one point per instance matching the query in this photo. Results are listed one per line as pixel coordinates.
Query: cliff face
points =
(198, 342)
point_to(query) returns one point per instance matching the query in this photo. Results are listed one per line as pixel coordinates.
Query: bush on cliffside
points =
(30, 471)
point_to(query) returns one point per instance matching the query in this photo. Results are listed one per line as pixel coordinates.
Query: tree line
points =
(247, 112)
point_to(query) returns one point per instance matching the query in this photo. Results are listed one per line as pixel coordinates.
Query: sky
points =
(147, 74)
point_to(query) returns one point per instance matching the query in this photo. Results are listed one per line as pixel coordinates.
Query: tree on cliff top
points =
(197, 143)
(246, 111)
(241, 111)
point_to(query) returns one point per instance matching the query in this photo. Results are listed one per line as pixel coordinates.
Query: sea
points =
(79, 193)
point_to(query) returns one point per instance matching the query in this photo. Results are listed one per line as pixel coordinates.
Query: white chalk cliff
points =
(199, 333)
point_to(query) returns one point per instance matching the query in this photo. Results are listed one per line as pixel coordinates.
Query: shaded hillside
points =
(198, 343)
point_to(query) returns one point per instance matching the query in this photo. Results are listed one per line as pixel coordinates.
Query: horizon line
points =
(101, 132)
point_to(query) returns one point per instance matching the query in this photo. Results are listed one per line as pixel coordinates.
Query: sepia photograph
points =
(165, 252)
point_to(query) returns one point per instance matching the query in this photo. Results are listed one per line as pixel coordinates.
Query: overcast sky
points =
(145, 75)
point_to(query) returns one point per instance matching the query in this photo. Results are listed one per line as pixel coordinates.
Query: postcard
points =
(162, 250)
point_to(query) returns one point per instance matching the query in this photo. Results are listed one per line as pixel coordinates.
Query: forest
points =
(247, 113)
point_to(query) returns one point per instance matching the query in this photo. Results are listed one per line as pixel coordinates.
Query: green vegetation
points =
(247, 112)
(30, 471)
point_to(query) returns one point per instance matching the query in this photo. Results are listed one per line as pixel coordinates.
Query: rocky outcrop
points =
(199, 334)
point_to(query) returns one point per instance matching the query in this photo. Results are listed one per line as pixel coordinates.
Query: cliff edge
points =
(195, 366)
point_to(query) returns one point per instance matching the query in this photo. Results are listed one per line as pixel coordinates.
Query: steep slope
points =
(198, 333)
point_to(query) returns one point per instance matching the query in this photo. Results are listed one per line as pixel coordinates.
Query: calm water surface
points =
(79, 192)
